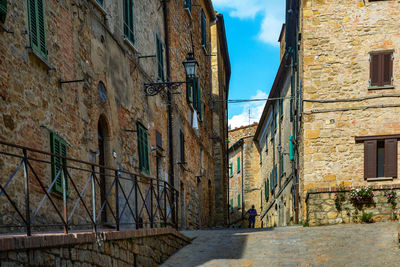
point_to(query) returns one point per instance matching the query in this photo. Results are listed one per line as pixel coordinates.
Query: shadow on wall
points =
(210, 246)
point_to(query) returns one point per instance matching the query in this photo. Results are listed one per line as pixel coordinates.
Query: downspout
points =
(169, 107)
(242, 164)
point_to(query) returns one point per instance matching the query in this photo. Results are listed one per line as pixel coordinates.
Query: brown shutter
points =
(387, 69)
(391, 158)
(370, 158)
(374, 70)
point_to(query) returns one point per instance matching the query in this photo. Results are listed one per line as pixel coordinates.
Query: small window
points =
(238, 164)
(143, 149)
(128, 20)
(59, 148)
(182, 145)
(188, 5)
(37, 28)
(281, 165)
(381, 69)
(160, 58)
(231, 169)
(203, 29)
(3, 10)
(266, 189)
(239, 204)
(380, 156)
(190, 83)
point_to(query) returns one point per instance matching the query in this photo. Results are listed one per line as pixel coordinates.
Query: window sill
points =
(129, 43)
(189, 13)
(99, 7)
(377, 179)
(42, 59)
(381, 87)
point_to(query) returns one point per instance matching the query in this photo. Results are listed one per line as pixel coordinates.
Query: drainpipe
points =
(169, 106)
(242, 164)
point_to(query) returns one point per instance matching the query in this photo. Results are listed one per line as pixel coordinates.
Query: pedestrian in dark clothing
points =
(252, 216)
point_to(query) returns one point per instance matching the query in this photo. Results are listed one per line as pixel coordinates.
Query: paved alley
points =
(339, 245)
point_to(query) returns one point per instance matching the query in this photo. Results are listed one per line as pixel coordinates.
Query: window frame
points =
(231, 169)
(37, 28)
(182, 146)
(377, 61)
(239, 167)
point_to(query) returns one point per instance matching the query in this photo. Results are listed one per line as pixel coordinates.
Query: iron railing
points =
(93, 197)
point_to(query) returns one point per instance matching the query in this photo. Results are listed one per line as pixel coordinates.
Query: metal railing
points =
(92, 197)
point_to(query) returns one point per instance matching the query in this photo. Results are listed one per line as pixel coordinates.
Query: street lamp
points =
(190, 64)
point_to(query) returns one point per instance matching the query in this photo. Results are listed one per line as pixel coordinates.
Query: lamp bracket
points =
(152, 89)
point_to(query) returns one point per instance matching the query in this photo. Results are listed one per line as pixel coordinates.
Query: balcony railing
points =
(93, 197)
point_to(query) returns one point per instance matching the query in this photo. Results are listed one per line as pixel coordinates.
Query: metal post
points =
(64, 186)
(27, 212)
(94, 200)
(116, 200)
(165, 204)
(151, 204)
(136, 204)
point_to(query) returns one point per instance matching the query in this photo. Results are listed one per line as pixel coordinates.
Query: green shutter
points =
(160, 58)
(266, 189)
(58, 147)
(3, 10)
(231, 169)
(196, 94)
(143, 149)
(239, 202)
(37, 28)
(203, 29)
(281, 165)
(128, 21)
(200, 104)
(100, 2)
(238, 164)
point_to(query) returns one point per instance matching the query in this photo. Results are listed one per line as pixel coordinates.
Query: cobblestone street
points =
(339, 245)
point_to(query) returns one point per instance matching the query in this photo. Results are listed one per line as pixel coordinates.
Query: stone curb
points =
(46, 240)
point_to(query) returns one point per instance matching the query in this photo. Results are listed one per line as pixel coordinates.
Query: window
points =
(231, 204)
(203, 29)
(160, 58)
(380, 156)
(3, 10)
(58, 147)
(128, 21)
(188, 5)
(238, 164)
(194, 95)
(190, 83)
(231, 169)
(143, 149)
(281, 170)
(266, 189)
(37, 29)
(381, 69)
(182, 145)
(239, 202)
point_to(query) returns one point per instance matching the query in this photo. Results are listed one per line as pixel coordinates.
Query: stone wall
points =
(337, 38)
(126, 248)
(321, 208)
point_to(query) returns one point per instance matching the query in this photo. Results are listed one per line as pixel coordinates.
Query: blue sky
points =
(253, 28)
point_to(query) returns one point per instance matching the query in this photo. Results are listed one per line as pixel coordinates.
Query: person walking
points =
(252, 216)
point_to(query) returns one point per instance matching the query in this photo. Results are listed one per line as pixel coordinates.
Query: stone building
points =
(350, 73)
(244, 182)
(221, 73)
(73, 73)
(274, 138)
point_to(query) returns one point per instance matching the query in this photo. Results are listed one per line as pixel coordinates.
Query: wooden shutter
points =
(188, 5)
(128, 21)
(58, 147)
(160, 58)
(231, 169)
(33, 29)
(200, 104)
(189, 89)
(41, 26)
(391, 158)
(203, 29)
(143, 149)
(280, 107)
(370, 158)
(3, 10)
(238, 164)
(196, 94)
(239, 202)
(375, 65)
(387, 69)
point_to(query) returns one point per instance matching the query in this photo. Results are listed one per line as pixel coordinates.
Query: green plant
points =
(391, 197)
(306, 224)
(339, 199)
(347, 211)
(132, 240)
(367, 217)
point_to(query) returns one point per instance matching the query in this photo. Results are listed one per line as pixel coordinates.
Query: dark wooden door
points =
(102, 174)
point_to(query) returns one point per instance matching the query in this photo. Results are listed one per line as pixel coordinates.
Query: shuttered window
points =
(160, 58)
(58, 147)
(101, 2)
(37, 29)
(231, 169)
(188, 5)
(239, 204)
(203, 29)
(200, 105)
(380, 157)
(182, 146)
(280, 107)
(381, 69)
(190, 89)
(143, 149)
(3, 10)
(281, 165)
(238, 164)
(231, 204)
(128, 21)
(266, 189)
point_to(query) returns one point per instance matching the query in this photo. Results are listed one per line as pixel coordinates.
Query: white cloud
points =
(256, 109)
(273, 13)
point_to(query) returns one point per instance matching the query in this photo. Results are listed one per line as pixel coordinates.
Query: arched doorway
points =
(103, 144)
